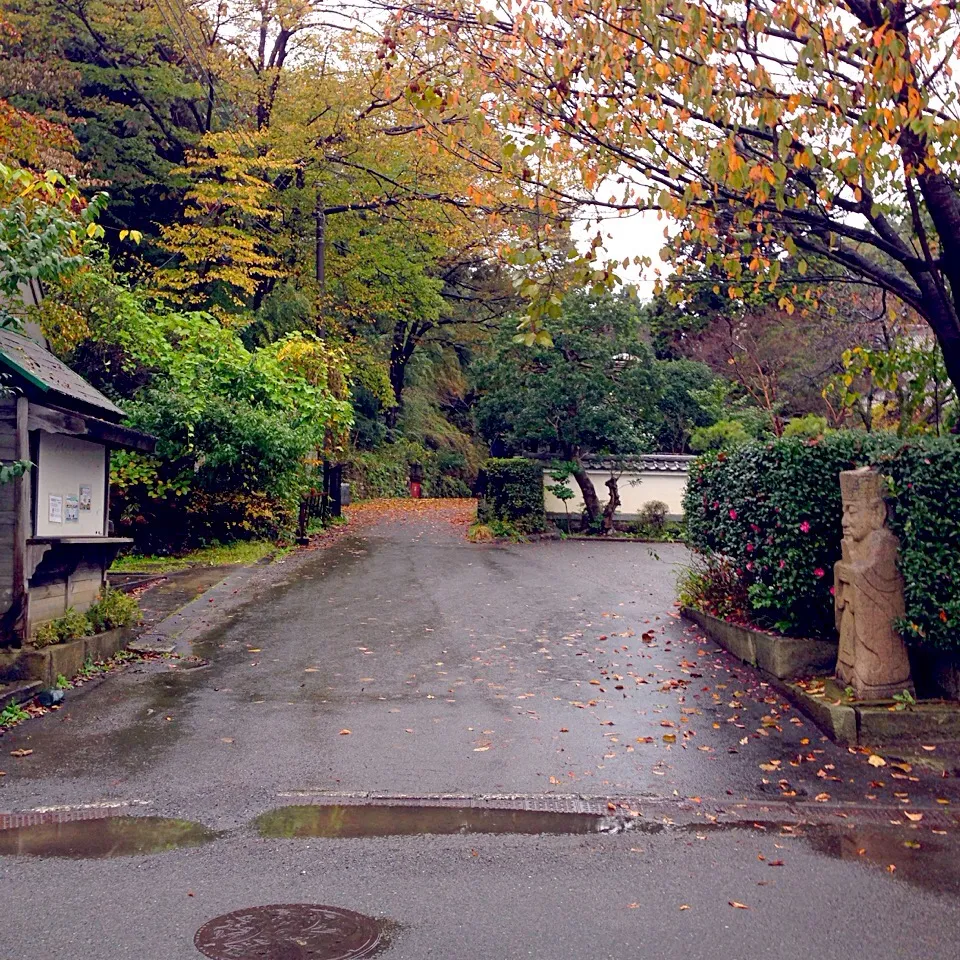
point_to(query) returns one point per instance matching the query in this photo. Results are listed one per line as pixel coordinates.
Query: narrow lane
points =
(406, 661)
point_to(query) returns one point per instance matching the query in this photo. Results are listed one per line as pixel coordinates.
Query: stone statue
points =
(869, 593)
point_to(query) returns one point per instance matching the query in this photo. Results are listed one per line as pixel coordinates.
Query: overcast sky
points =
(640, 234)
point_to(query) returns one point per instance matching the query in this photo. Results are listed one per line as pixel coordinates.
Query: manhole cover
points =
(290, 931)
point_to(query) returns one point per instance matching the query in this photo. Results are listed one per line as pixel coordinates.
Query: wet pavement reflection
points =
(404, 821)
(103, 838)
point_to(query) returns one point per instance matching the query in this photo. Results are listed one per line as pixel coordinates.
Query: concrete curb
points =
(67, 659)
(877, 722)
(583, 538)
(781, 657)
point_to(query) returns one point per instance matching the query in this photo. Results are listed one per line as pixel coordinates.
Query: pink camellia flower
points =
(754, 528)
(749, 548)
(805, 526)
(733, 514)
(833, 591)
(783, 563)
(750, 565)
(716, 504)
(818, 571)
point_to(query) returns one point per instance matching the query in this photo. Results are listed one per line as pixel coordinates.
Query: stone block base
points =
(783, 657)
(67, 659)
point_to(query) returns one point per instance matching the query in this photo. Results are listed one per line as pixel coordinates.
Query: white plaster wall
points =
(636, 488)
(65, 464)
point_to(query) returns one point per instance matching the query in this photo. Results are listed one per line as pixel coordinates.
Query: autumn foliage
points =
(803, 127)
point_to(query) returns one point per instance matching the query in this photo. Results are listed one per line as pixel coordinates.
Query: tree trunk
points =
(398, 376)
(591, 505)
(611, 506)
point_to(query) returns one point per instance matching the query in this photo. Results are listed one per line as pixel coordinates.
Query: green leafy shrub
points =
(512, 492)
(712, 584)
(444, 486)
(722, 435)
(808, 426)
(925, 515)
(775, 511)
(46, 633)
(653, 516)
(113, 609)
(384, 472)
(71, 626)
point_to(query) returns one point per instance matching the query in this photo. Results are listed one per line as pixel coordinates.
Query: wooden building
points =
(55, 542)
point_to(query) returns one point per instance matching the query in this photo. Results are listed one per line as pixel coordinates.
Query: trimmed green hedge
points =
(511, 490)
(774, 508)
(925, 495)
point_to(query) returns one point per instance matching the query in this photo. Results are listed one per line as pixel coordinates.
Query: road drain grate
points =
(284, 931)
(656, 808)
(885, 815)
(14, 821)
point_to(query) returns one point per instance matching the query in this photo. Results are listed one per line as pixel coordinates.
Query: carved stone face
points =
(862, 517)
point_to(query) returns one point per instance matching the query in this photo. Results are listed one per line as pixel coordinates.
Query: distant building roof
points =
(40, 368)
(647, 462)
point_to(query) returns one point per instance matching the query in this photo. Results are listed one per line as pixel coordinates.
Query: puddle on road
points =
(921, 859)
(917, 856)
(404, 821)
(103, 838)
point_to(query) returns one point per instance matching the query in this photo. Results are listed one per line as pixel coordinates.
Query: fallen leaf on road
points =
(345, 732)
(876, 761)
(564, 730)
(929, 749)
(913, 817)
(644, 739)
(670, 738)
(20, 753)
(737, 905)
(480, 749)
(775, 863)
(892, 868)
(633, 906)
(943, 800)
(684, 906)
(822, 797)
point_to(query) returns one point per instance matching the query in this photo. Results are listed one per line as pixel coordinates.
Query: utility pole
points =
(320, 219)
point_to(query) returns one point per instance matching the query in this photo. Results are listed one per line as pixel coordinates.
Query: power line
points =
(194, 58)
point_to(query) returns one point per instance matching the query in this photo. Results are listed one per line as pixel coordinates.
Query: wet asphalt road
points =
(405, 661)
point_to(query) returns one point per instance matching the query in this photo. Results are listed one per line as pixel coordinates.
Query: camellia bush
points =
(773, 511)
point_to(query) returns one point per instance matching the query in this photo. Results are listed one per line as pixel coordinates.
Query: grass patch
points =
(242, 551)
